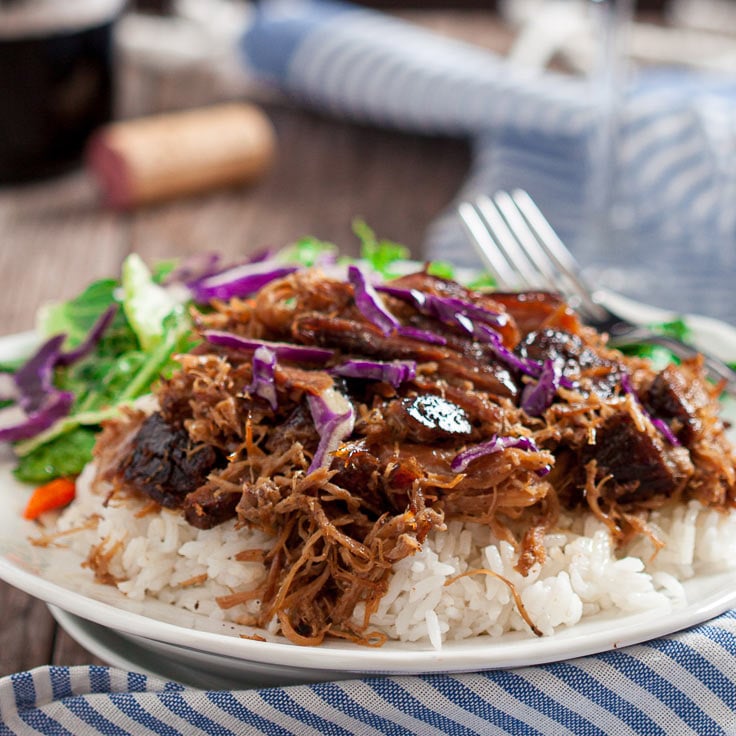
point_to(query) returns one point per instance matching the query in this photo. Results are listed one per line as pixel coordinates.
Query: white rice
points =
(161, 556)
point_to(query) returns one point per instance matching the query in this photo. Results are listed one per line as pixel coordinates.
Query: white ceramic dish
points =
(188, 666)
(55, 576)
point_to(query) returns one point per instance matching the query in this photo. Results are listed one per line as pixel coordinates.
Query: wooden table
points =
(55, 238)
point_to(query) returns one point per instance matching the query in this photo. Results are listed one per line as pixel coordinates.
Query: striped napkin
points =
(670, 229)
(681, 684)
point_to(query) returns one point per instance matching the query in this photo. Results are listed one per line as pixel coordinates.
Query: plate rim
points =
(466, 655)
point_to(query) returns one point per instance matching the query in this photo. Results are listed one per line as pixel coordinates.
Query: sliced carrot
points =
(52, 495)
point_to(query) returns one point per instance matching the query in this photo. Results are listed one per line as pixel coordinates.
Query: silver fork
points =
(519, 246)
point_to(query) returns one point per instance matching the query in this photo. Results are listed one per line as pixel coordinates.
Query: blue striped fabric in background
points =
(675, 175)
(673, 178)
(681, 684)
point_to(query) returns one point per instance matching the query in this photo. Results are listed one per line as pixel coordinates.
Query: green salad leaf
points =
(177, 338)
(11, 366)
(161, 270)
(133, 352)
(483, 281)
(307, 252)
(658, 355)
(380, 254)
(146, 303)
(63, 456)
(441, 269)
(134, 374)
(76, 316)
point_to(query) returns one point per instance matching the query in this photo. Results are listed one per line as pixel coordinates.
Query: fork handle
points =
(715, 368)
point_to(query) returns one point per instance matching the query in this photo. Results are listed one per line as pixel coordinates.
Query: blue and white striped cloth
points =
(671, 238)
(681, 684)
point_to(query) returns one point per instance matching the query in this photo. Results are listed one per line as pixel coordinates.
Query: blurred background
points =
(330, 161)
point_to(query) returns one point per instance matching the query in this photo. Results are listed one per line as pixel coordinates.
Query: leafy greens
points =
(128, 357)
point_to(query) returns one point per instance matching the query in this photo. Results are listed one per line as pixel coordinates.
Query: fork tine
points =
(508, 243)
(550, 242)
(486, 245)
(550, 274)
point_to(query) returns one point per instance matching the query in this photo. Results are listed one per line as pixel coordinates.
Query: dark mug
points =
(56, 82)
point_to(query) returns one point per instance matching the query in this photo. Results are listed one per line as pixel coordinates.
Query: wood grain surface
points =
(55, 238)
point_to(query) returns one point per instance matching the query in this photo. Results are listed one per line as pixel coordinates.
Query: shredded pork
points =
(216, 449)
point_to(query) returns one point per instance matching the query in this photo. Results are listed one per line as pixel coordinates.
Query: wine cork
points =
(156, 158)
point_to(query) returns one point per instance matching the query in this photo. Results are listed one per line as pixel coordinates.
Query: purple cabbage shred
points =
(93, 337)
(369, 303)
(24, 425)
(537, 397)
(239, 281)
(496, 444)
(659, 424)
(38, 402)
(334, 419)
(447, 309)
(415, 333)
(263, 383)
(282, 350)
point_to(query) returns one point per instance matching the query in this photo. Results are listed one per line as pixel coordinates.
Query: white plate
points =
(55, 576)
(187, 666)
